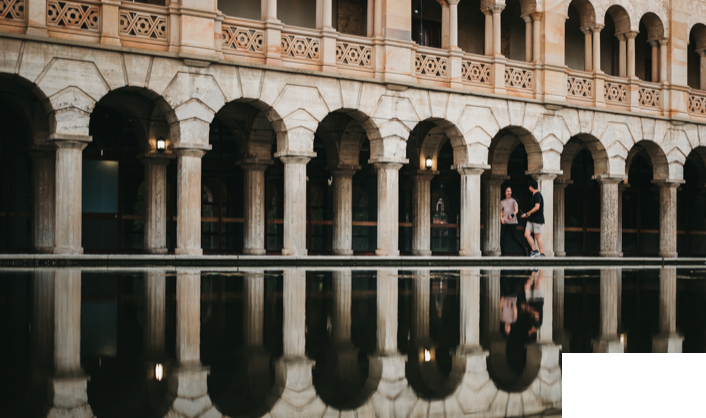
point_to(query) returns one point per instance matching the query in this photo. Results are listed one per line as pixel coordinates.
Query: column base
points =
(668, 254)
(422, 253)
(67, 250)
(254, 251)
(294, 252)
(549, 253)
(44, 250)
(493, 253)
(610, 254)
(608, 346)
(670, 343)
(188, 251)
(342, 252)
(156, 251)
(560, 254)
(387, 253)
(471, 253)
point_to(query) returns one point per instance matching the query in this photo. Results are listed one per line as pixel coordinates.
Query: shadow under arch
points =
(655, 156)
(505, 142)
(574, 146)
(30, 104)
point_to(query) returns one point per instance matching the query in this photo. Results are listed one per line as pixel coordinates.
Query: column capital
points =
(527, 18)
(190, 152)
(294, 159)
(254, 164)
(609, 179)
(67, 141)
(496, 8)
(386, 165)
(471, 169)
(292, 155)
(597, 28)
(630, 35)
(653, 42)
(496, 180)
(453, 2)
(544, 175)
(587, 30)
(701, 52)
(156, 158)
(561, 183)
(39, 152)
(668, 183)
(444, 3)
(664, 41)
(344, 171)
(423, 174)
(537, 16)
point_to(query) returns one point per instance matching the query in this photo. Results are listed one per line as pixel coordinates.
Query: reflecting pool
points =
(315, 343)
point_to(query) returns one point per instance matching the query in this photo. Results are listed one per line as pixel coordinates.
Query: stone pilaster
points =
(667, 218)
(546, 187)
(189, 201)
(43, 182)
(470, 240)
(36, 17)
(388, 208)
(295, 205)
(492, 225)
(559, 212)
(110, 18)
(421, 208)
(343, 211)
(537, 37)
(610, 216)
(254, 218)
(156, 201)
(68, 192)
(668, 340)
(607, 340)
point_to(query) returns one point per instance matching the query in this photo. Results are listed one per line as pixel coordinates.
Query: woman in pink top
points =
(508, 217)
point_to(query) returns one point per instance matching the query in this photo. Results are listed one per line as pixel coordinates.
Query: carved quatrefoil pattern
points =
(72, 15)
(12, 9)
(143, 25)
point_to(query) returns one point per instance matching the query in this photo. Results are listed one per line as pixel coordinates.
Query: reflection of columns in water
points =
(419, 334)
(607, 340)
(545, 332)
(469, 339)
(294, 313)
(387, 311)
(561, 337)
(253, 308)
(668, 340)
(491, 312)
(155, 284)
(342, 293)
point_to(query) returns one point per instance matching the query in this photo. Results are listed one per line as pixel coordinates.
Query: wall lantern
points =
(161, 145)
(428, 163)
(158, 372)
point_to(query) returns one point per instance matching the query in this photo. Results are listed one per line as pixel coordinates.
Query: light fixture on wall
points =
(161, 145)
(428, 163)
(158, 372)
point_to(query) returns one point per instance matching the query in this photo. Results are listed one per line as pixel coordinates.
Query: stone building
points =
(342, 126)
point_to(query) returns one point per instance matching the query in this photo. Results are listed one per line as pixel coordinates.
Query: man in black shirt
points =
(535, 220)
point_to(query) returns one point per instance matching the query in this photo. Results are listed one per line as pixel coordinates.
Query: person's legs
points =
(528, 235)
(540, 243)
(503, 228)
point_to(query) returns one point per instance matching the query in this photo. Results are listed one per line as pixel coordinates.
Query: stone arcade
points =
(387, 103)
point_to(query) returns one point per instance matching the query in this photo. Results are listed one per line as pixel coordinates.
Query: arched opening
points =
(471, 27)
(641, 209)
(583, 158)
(512, 154)
(691, 206)
(16, 191)
(342, 153)
(242, 139)
(578, 33)
(647, 48)
(124, 125)
(696, 52)
(617, 25)
(512, 34)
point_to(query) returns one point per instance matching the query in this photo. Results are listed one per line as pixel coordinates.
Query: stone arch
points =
(587, 13)
(578, 143)
(30, 104)
(699, 32)
(654, 25)
(427, 138)
(698, 157)
(343, 132)
(620, 17)
(657, 158)
(506, 140)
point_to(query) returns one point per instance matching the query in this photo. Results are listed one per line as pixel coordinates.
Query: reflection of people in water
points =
(529, 319)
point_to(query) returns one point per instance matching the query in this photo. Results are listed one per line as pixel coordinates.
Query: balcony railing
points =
(615, 91)
(144, 24)
(13, 12)
(241, 37)
(354, 52)
(301, 45)
(477, 70)
(519, 76)
(431, 63)
(697, 102)
(82, 17)
(649, 95)
(580, 86)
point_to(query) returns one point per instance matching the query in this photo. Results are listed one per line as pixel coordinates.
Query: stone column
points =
(43, 181)
(608, 341)
(622, 55)
(536, 37)
(295, 205)
(597, 47)
(453, 23)
(68, 394)
(668, 340)
(470, 240)
(667, 218)
(156, 201)
(559, 212)
(36, 11)
(610, 225)
(342, 211)
(421, 217)
(388, 204)
(187, 394)
(663, 43)
(546, 187)
(528, 37)
(630, 36)
(702, 69)
(155, 311)
(588, 48)
(621, 188)
(492, 225)
(497, 43)
(67, 205)
(445, 27)
(469, 339)
(189, 201)
(488, 32)
(371, 19)
(655, 61)
(254, 215)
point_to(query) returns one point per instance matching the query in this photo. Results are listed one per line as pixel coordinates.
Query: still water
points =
(313, 343)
